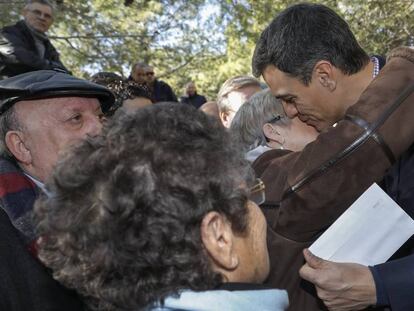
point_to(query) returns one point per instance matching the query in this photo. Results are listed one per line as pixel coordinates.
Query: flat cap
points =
(48, 83)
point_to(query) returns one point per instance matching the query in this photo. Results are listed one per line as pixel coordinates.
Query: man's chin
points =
(320, 127)
(40, 28)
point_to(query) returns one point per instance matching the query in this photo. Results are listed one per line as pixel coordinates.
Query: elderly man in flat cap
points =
(42, 113)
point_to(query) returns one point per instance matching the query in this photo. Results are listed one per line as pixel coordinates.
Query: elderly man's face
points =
(139, 75)
(150, 73)
(39, 16)
(191, 89)
(50, 126)
(236, 99)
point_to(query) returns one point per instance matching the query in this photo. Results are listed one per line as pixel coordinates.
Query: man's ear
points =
(324, 73)
(272, 133)
(225, 118)
(15, 142)
(218, 239)
(24, 11)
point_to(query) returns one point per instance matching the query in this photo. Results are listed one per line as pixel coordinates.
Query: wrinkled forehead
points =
(44, 8)
(51, 107)
(238, 97)
(139, 69)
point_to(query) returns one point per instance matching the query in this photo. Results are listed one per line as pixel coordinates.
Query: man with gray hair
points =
(233, 93)
(42, 114)
(25, 46)
(138, 73)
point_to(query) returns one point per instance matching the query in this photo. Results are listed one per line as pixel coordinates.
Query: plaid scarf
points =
(17, 196)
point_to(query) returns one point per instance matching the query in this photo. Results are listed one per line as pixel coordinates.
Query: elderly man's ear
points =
(225, 118)
(218, 240)
(15, 142)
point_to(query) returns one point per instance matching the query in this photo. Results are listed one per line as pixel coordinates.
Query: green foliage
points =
(206, 41)
(379, 25)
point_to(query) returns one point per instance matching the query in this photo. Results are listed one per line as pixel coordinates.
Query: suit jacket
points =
(396, 281)
(307, 191)
(162, 92)
(195, 100)
(18, 52)
(25, 282)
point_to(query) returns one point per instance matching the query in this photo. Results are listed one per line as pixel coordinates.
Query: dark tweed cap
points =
(47, 84)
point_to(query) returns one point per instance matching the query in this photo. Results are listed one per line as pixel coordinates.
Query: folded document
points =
(369, 232)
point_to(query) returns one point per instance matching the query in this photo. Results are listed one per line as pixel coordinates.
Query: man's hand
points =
(341, 286)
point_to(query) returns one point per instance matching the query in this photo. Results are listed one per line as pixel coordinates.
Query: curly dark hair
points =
(123, 224)
(122, 89)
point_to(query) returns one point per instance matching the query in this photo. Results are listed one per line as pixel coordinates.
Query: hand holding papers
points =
(369, 232)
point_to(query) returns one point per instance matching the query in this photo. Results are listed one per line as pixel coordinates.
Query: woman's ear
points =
(218, 239)
(15, 142)
(273, 133)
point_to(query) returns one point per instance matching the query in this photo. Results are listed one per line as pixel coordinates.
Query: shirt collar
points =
(39, 184)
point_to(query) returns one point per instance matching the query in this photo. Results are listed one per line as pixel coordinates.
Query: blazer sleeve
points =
(396, 281)
(15, 51)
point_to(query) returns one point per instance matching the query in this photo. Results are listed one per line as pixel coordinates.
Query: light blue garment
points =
(253, 154)
(219, 300)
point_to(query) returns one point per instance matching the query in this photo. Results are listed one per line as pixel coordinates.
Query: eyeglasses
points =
(257, 192)
(40, 14)
(274, 119)
(149, 73)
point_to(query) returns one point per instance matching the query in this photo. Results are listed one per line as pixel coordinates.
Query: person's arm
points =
(16, 52)
(323, 180)
(341, 286)
(54, 58)
(172, 94)
(395, 281)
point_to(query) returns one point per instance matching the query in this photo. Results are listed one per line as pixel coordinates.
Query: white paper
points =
(369, 232)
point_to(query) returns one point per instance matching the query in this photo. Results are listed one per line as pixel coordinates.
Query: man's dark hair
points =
(304, 34)
(122, 225)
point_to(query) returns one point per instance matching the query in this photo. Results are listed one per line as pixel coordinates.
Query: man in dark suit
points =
(192, 97)
(25, 46)
(161, 91)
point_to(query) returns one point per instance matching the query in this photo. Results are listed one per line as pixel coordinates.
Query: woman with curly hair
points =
(160, 212)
